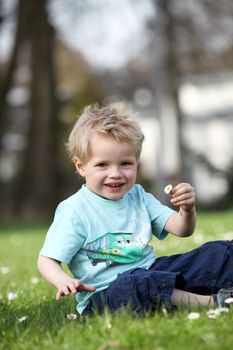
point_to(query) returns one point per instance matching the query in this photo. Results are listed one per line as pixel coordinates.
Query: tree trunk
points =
(7, 77)
(37, 181)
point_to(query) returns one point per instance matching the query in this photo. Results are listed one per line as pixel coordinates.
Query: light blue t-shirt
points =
(99, 238)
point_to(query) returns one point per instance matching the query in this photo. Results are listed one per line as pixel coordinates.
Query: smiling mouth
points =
(115, 185)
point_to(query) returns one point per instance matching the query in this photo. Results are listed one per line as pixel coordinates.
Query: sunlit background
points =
(171, 60)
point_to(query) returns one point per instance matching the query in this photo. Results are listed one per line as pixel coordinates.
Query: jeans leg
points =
(141, 290)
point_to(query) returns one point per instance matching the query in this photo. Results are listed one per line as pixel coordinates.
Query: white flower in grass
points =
(164, 311)
(35, 280)
(107, 324)
(107, 320)
(22, 319)
(71, 316)
(5, 270)
(11, 296)
(214, 313)
(193, 316)
(167, 189)
(229, 301)
(222, 310)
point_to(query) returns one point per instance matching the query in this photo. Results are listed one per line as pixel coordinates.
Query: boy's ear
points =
(79, 166)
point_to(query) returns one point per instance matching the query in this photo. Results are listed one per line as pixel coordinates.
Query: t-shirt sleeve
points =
(159, 214)
(65, 236)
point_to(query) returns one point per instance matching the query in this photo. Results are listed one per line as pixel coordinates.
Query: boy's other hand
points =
(73, 286)
(183, 195)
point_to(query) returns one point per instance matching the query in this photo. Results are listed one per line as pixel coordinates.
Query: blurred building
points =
(207, 106)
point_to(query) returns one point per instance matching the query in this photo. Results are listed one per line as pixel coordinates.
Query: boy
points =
(103, 231)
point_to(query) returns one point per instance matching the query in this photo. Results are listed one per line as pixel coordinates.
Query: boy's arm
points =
(53, 273)
(182, 223)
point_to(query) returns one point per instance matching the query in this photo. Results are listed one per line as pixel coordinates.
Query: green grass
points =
(47, 327)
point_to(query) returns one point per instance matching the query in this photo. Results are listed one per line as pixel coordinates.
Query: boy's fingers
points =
(183, 197)
(72, 287)
(183, 187)
(83, 287)
(66, 291)
(58, 295)
(62, 292)
(77, 284)
(87, 288)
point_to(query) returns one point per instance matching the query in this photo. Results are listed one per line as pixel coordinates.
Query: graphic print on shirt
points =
(115, 248)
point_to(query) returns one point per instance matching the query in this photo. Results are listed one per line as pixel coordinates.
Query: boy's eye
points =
(101, 165)
(127, 163)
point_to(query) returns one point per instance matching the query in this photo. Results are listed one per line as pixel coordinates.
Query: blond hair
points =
(114, 120)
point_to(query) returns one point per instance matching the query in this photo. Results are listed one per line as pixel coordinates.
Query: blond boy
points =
(103, 231)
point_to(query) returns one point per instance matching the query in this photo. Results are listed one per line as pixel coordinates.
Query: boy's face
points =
(111, 168)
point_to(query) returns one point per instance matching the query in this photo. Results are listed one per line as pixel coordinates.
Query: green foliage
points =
(47, 326)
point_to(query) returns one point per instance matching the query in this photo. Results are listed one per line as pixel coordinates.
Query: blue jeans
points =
(203, 270)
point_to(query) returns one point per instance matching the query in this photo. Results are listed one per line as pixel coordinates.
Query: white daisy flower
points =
(221, 310)
(108, 325)
(229, 301)
(5, 270)
(22, 319)
(167, 189)
(214, 313)
(164, 311)
(35, 280)
(71, 316)
(107, 322)
(11, 296)
(193, 316)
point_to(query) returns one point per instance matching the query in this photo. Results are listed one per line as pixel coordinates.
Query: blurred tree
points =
(7, 70)
(38, 180)
(59, 83)
(38, 173)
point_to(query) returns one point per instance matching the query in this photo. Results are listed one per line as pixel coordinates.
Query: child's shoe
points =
(223, 295)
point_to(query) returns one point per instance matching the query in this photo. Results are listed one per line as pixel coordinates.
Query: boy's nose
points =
(115, 172)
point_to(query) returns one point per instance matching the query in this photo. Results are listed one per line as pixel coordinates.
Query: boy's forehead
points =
(98, 139)
(107, 144)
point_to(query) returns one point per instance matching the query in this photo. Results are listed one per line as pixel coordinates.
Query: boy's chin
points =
(114, 195)
(111, 194)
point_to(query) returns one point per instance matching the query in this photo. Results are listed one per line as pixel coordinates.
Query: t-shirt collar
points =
(101, 200)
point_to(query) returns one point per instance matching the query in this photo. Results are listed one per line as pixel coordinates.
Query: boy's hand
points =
(72, 286)
(183, 195)
(52, 271)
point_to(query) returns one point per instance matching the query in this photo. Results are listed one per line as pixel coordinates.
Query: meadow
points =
(31, 319)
